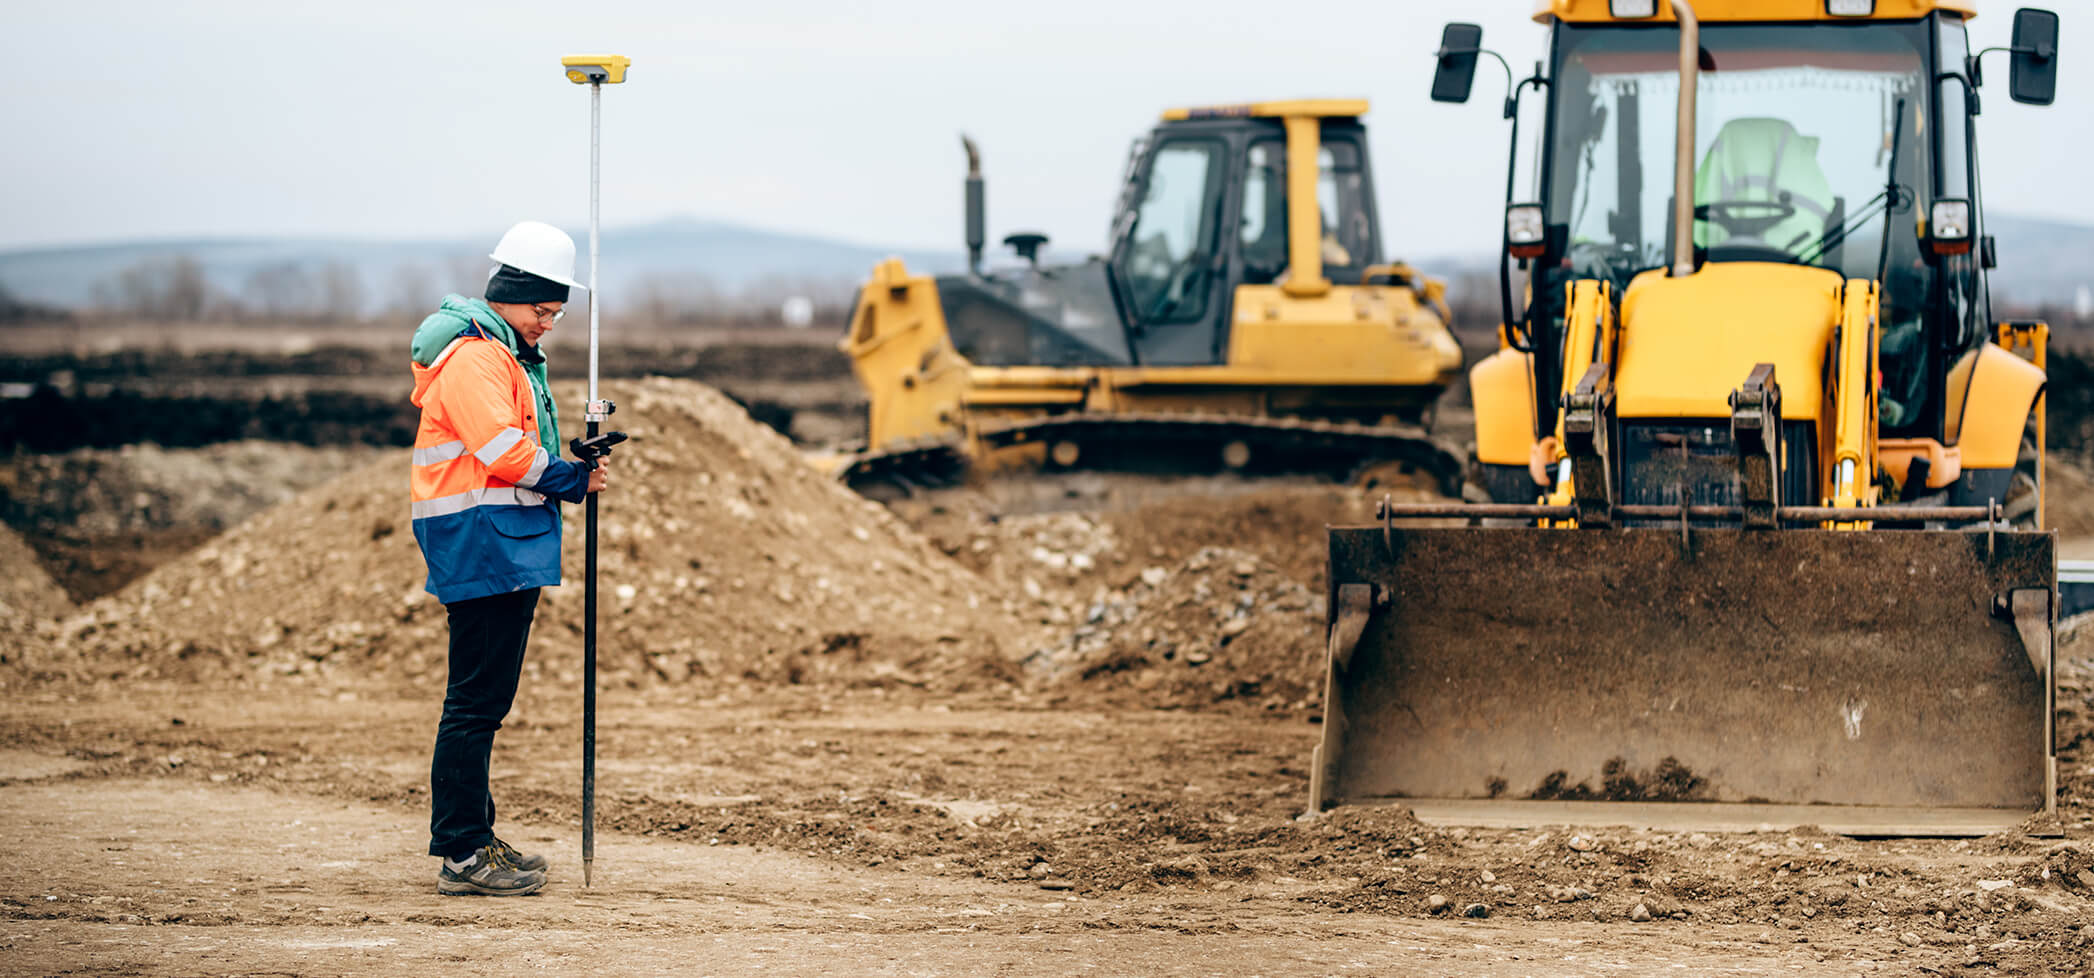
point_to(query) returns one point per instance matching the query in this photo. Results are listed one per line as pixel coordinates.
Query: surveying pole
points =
(595, 71)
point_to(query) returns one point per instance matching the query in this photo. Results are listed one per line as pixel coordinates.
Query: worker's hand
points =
(600, 477)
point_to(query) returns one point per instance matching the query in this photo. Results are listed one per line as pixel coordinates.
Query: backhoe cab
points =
(1834, 143)
(1764, 455)
(1241, 319)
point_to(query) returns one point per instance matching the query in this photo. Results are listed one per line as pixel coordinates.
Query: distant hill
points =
(678, 255)
(2041, 263)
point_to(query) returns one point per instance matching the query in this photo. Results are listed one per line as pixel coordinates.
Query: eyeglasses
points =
(547, 316)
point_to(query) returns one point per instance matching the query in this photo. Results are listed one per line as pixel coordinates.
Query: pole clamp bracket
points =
(598, 411)
(1755, 428)
(1588, 414)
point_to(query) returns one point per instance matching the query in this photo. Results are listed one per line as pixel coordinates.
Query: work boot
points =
(487, 872)
(531, 862)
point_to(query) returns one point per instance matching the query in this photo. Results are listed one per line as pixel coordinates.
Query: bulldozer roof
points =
(1318, 107)
(1750, 11)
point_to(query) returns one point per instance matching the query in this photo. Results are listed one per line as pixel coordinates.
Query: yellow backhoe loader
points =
(1764, 544)
(1242, 320)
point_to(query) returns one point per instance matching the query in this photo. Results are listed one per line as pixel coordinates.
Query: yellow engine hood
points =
(1686, 343)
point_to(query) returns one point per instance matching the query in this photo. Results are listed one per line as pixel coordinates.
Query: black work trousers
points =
(487, 652)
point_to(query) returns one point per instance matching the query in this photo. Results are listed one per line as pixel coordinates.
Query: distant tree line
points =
(13, 309)
(176, 289)
(697, 300)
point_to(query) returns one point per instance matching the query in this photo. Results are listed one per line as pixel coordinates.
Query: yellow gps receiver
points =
(598, 69)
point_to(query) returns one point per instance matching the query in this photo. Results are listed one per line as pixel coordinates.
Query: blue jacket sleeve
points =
(563, 480)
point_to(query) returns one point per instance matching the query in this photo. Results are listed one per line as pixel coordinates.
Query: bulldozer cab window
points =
(1341, 187)
(1168, 268)
(1792, 138)
(1263, 236)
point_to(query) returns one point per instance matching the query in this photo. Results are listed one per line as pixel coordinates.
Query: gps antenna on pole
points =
(595, 71)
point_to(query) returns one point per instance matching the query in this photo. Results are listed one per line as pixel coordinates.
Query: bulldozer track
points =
(1341, 450)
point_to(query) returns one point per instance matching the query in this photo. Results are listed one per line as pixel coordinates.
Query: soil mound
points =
(102, 518)
(1284, 528)
(1129, 522)
(2068, 505)
(104, 491)
(723, 559)
(1221, 625)
(1178, 601)
(28, 598)
(2075, 720)
(26, 592)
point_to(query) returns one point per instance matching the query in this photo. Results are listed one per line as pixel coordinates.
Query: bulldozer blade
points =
(1877, 682)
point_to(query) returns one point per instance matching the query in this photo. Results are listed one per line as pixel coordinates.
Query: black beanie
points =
(512, 284)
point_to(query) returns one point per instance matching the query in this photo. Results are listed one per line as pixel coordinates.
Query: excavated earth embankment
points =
(722, 557)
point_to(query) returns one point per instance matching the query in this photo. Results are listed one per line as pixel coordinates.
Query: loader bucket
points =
(1877, 682)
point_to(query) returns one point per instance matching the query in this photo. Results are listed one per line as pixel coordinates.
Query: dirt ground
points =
(166, 829)
(336, 906)
(1002, 732)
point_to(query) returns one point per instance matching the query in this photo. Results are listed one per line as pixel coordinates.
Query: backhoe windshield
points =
(1792, 143)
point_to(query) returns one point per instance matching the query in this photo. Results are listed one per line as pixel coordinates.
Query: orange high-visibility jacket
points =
(483, 486)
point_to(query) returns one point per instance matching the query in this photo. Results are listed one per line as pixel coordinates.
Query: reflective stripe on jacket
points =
(483, 485)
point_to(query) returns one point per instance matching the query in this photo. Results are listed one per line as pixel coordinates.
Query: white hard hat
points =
(541, 249)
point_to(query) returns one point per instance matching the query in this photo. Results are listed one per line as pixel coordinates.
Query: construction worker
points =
(1766, 162)
(487, 471)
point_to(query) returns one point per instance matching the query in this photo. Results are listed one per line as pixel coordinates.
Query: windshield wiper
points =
(1817, 250)
(1893, 199)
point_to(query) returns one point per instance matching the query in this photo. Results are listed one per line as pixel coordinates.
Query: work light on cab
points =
(1948, 226)
(1525, 232)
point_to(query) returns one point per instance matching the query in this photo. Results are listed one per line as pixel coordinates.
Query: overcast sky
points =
(439, 119)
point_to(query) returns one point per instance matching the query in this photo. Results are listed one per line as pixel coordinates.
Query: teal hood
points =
(457, 315)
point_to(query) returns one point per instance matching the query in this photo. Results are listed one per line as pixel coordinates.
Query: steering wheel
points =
(1746, 218)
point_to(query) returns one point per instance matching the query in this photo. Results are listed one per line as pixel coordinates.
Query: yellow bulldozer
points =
(1242, 321)
(1764, 543)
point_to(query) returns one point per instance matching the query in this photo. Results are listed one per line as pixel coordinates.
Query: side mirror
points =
(2033, 77)
(1459, 45)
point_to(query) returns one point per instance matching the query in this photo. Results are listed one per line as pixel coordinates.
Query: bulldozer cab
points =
(1240, 320)
(1207, 204)
(1758, 557)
